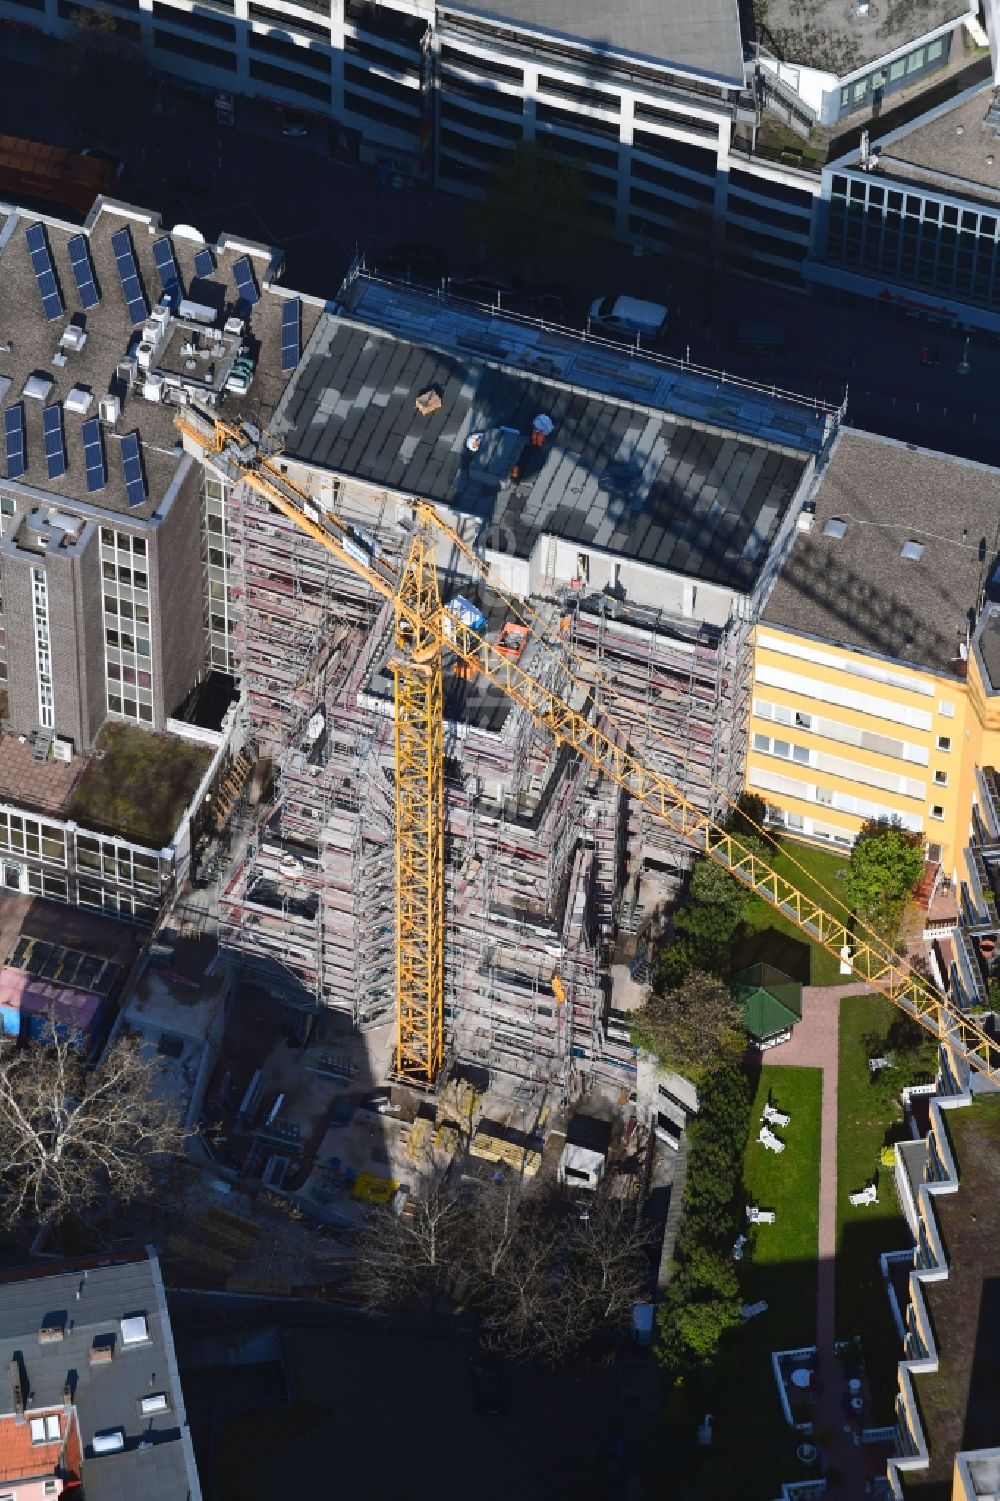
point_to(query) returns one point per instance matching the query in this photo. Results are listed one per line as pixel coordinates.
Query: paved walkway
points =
(814, 1044)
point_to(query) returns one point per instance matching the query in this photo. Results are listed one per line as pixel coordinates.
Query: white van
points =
(628, 316)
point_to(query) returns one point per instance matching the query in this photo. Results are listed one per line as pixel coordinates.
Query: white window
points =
(937, 811)
(843, 698)
(941, 779)
(945, 709)
(53, 1429)
(37, 1427)
(944, 742)
(43, 649)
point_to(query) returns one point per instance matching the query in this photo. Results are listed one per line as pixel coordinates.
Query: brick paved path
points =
(814, 1044)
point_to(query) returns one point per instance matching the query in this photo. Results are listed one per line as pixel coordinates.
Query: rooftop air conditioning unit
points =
(153, 386)
(146, 352)
(78, 401)
(196, 312)
(109, 409)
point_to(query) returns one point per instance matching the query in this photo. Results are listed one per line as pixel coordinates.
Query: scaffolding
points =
(537, 849)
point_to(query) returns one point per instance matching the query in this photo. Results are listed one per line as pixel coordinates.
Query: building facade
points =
(869, 697)
(702, 135)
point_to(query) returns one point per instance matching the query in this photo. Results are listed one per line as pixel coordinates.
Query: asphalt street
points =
(901, 375)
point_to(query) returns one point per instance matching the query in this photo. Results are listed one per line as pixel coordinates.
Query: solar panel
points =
(83, 270)
(135, 297)
(55, 448)
(13, 431)
(41, 264)
(135, 478)
(93, 455)
(204, 263)
(245, 282)
(170, 279)
(290, 345)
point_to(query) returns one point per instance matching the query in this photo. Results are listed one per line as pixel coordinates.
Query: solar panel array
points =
(170, 277)
(135, 478)
(41, 264)
(55, 448)
(246, 284)
(135, 297)
(83, 270)
(291, 346)
(13, 432)
(93, 455)
(204, 263)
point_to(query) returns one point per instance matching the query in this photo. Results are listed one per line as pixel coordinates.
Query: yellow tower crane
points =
(424, 630)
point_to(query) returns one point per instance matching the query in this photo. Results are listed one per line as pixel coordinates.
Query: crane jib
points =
(605, 746)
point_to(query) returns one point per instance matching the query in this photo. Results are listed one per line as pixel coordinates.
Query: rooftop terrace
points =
(847, 581)
(834, 36)
(960, 1404)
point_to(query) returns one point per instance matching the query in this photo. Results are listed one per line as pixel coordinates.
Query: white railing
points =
(358, 269)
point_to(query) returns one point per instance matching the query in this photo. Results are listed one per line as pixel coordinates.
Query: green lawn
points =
(753, 1449)
(865, 1118)
(782, 1268)
(820, 869)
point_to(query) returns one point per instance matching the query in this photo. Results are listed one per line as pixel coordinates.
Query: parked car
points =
(629, 316)
(294, 125)
(417, 261)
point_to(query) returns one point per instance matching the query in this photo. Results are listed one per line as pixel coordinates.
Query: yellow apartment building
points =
(874, 660)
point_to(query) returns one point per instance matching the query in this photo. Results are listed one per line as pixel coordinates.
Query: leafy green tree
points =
(692, 1027)
(704, 927)
(885, 865)
(691, 1330)
(710, 1274)
(748, 820)
(716, 907)
(535, 218)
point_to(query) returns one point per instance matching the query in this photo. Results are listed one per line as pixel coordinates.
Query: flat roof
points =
(30, 343)
(856, 590)
(89, 1302)
(987, 646)
(960, 1404)
(702, 36)
(953, 148)
(833, 36)
(629, 480)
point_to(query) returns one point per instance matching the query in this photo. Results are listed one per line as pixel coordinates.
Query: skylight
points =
(834, 527)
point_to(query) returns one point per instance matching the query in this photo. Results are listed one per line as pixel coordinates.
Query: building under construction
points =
(639, 511)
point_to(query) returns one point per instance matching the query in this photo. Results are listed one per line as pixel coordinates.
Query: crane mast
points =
(424, 629)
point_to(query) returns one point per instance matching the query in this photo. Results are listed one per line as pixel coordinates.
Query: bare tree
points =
(546, 1274)
(412, 1256)
(72, 1136)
